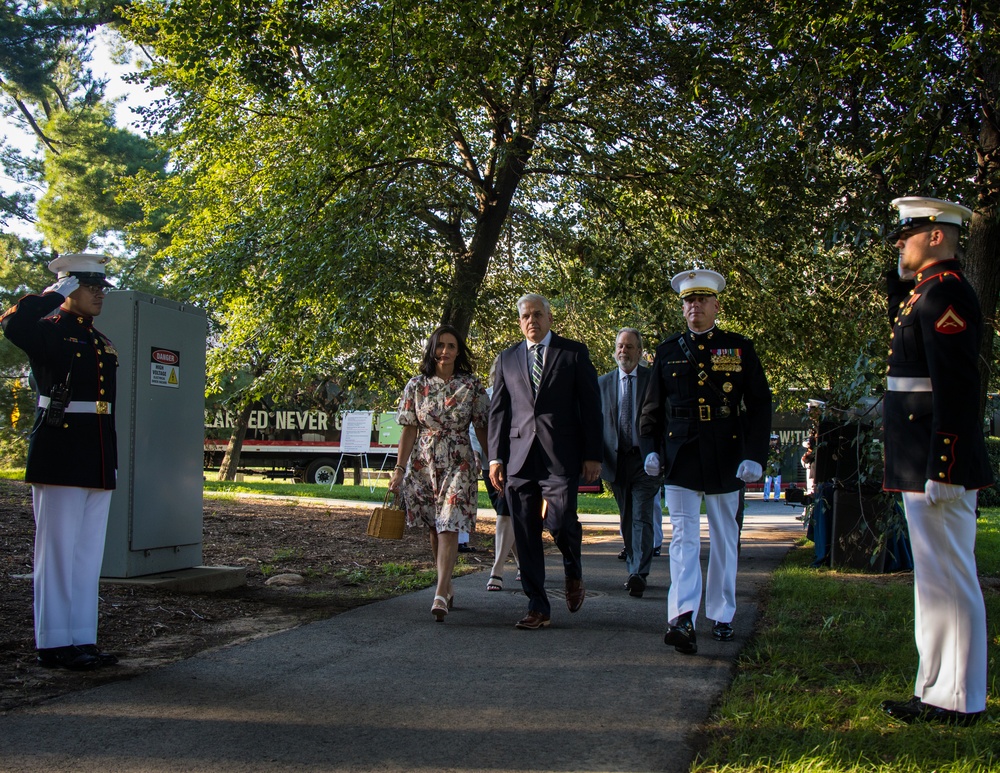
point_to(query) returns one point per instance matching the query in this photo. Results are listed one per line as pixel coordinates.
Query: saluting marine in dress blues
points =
(72, 454)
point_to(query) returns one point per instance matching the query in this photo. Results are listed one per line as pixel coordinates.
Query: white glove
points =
(938, 493)
(904, 274)
(652, 465)
(749, 471)
(64, 286)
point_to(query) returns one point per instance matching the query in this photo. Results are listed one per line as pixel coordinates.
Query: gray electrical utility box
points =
(155, 523)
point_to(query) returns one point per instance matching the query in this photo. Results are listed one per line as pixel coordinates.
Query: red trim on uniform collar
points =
(936, 269)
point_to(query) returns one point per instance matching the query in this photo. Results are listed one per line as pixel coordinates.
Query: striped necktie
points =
(536, 366)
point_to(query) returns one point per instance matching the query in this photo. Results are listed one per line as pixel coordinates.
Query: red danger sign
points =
(166, 357)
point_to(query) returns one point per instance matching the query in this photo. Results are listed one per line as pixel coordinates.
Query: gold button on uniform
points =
(944, 458)
(910, 417)
(701, 399)
(941, 475)
(947, 441)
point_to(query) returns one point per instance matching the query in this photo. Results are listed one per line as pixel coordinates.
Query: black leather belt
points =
(704, 412)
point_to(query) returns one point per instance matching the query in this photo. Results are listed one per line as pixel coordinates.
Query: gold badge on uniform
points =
(727, 386)
(727, 359)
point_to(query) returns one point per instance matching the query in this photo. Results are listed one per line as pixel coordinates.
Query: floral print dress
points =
(441, 484)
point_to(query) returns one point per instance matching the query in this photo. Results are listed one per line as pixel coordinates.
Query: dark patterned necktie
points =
(625, 416)
(536, 367)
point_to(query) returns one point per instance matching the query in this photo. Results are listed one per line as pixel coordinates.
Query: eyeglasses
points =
(96, 289)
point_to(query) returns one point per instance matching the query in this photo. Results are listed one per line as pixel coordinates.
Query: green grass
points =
(602, 503)
(588, 503)
(988, 543)
(388, 579)
(830, 646)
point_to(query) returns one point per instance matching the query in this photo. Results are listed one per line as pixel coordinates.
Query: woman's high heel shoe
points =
(440, 608)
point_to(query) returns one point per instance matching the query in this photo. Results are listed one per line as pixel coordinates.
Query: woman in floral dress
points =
(437, 472)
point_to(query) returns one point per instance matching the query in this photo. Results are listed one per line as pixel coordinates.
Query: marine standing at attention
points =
(935, 455)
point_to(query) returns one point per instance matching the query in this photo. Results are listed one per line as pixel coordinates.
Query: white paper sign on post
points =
(356, 432)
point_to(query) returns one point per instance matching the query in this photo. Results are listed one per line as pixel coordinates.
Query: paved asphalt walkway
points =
(385, 688)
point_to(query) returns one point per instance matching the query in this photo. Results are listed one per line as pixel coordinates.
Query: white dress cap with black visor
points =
(917, 211)
(87, 267)
(698, 281)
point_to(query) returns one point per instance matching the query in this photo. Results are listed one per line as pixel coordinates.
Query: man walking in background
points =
(622, 393)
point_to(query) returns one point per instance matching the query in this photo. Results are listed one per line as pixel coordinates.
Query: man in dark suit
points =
(544, 435)
(936, 456)
(622, 393)
(707, 416)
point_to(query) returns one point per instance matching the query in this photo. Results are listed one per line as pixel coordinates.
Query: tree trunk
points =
(471, 267)
(981, 262)
(231, 461)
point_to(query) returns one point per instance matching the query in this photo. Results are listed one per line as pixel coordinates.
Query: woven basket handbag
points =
(386, 522)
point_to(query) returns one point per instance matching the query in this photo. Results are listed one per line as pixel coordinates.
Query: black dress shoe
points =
(72, 658)
(623, 555)
(915, 710)
(465, 547)
(682, 637)
(105, 658)
(656, 552)
(636, 585)
(722, 632)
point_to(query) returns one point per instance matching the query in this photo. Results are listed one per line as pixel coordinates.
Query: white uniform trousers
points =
(950, 615)
(684, 595)
(70, 526)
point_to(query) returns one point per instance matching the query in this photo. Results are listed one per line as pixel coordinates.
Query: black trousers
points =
(526, 492)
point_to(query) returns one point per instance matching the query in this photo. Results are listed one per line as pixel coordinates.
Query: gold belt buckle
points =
(103, 406)
(705, 412)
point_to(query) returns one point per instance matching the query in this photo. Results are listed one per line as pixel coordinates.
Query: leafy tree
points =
(22, 269)
(878, 100)
(81, 200)
(382, 135)
(402, 162)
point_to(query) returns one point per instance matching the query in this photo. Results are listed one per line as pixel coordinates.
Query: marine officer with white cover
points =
(706, 422)
(936, 456)
(72, 455)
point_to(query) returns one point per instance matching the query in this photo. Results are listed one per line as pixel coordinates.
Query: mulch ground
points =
(147, 627)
